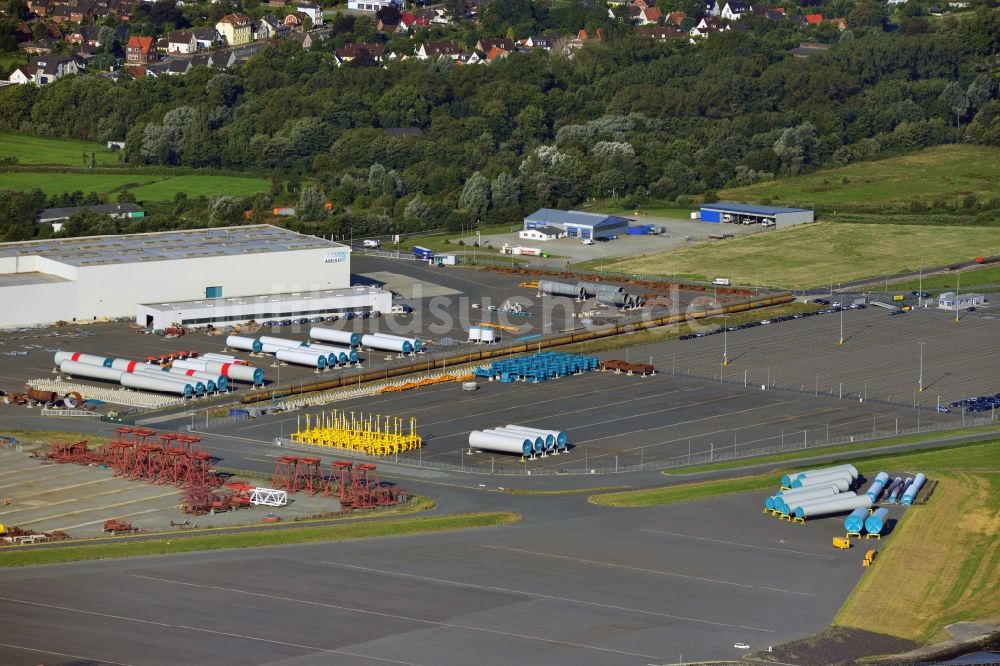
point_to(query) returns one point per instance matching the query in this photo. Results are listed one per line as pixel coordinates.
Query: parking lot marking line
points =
(437, 623)
(540, 595)
(679, 423)
(658, 572)
(63, 654)
(737, 543)
(176, 491)
(69, 473)
(66, 501)
(509, 408)
(80, 611)
(120, 516)
(296, 645)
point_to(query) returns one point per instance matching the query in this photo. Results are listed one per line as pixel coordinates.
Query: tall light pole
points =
(841, 340)
(920, 380)
(920, 285)
(958, 286)
(725, 339)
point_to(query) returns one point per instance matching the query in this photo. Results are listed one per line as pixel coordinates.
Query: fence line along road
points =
(578, 460)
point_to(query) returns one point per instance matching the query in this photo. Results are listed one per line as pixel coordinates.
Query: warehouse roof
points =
(573, 217)
(731, 207)
(291, 297)
(50, 214)
(166, 245)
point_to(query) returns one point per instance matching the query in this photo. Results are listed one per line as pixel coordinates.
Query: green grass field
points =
(855, 448)
(652, 210)
(8, 61)
(984, 455)
(143, 185)
(971, 279)
(33, 150)
(358, 530)
(942, 560)
(815, 255)
(945, 172)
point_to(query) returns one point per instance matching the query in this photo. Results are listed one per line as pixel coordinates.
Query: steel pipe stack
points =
(562, 289)
(91, 371)
(384, 343)
(537, 441)
(878, 484)
(492, 441)
(148, 382)
(348, 338)
(839, 504)
(89, 359)
(312, 359)
(788, 479)
(242, 373)
(559, 437)
(344, 354)
(242, 342)
(911, 493)
(875, 523)
(855, 522)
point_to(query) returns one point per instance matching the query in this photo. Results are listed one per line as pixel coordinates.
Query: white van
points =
(721, 282)
(370, 243)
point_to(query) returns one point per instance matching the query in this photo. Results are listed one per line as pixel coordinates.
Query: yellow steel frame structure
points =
(373, 434)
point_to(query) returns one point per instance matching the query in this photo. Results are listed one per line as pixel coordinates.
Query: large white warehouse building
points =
(101, 277)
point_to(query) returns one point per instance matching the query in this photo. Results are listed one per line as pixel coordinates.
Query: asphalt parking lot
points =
(879, 360)
(660, 585)
(443, 300)
(613, 421)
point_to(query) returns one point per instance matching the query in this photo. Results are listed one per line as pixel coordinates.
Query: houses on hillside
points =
(236, 29)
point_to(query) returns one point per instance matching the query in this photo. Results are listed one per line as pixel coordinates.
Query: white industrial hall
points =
(104, 277)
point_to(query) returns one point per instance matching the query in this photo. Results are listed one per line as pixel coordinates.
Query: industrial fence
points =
(69, 412)
(580, 461)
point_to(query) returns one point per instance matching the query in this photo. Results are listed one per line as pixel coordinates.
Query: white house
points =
(181, 41)
(23, 74)
(206, 38)
(543, 233)
(733, 10)
(314, 12)
(370, 5)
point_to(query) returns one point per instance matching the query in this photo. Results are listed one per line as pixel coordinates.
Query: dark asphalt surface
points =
(573, 583)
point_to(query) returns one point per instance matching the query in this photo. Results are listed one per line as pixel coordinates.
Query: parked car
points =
(587, 241)
(943, 410)
(303, 320)
(316, 320)
(741, 646)
(331, 318)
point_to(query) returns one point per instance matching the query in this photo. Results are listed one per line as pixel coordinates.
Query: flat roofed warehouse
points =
(92, 278)
(577, 224)
(737, 213)
(264, 307)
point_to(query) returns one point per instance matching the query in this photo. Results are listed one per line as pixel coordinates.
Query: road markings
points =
(737, 543)
(435, 623)
(626, 567)
(63, 654)
(539, 595)
(83, 612)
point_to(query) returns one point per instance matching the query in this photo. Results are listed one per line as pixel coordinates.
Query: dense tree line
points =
(628, 118)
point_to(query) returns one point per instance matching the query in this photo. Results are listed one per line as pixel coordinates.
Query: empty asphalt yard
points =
(572, 583)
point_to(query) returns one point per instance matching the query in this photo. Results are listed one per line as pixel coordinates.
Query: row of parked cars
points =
(347, 316)
(983, 403)
(835, 307)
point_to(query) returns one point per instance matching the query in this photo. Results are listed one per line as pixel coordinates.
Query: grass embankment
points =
(816, 255)
(941, 564)
(49, 437)
(971, 280)
(651, 210)
(145, 186)
(831, 450)
(673, 331)
(946, 173)
(35, 150)
(956, 457)
(360, 530)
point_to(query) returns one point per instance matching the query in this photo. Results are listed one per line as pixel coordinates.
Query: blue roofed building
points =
(746, 214)
(577, 224)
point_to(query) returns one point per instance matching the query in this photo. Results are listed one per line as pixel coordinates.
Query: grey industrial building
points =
(737, 213)
(577, 224)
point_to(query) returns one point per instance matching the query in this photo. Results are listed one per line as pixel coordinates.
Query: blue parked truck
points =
(423, 253)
